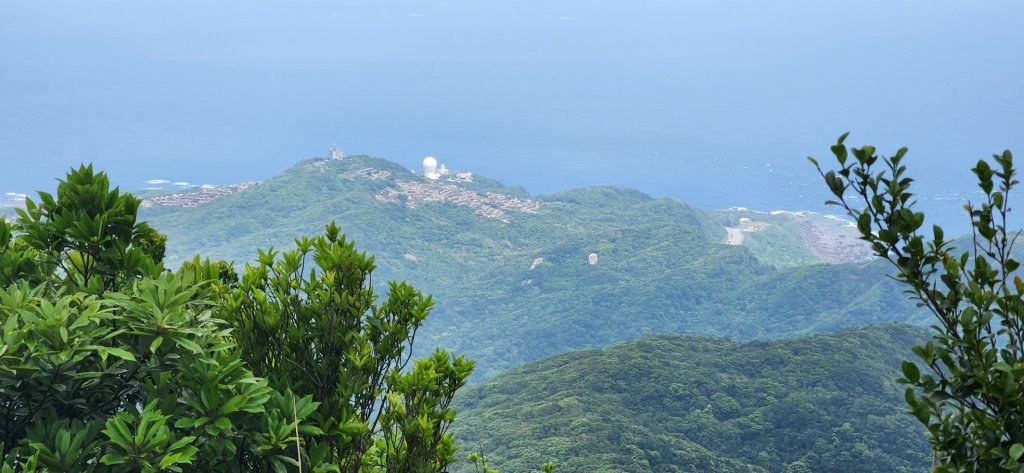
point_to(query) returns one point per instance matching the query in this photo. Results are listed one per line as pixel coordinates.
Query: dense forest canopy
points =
(675, 403)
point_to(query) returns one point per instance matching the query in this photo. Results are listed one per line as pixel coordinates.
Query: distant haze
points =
(713, 102)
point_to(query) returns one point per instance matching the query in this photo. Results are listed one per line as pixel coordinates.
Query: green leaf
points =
(121, 353)
(223, 423)
(113, 459)
(911, 371)
(233, 404)
(181, 442)
(1016, 451)
(910, 397)
(188, 344)
(155, 344)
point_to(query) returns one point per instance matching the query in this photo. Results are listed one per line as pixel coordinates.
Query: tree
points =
(110, 364)
(970, 394)
(89, 236)
(309, 320)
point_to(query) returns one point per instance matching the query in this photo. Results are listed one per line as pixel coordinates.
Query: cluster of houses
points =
(373, 174)
(197, 197)
(488, 205)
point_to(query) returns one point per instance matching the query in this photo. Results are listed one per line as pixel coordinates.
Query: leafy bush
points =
(110, 363)
(320, 331)
(971, 393)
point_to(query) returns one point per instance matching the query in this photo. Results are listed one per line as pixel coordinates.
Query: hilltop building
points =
(433, 171)
(336, 153)
(430, 168)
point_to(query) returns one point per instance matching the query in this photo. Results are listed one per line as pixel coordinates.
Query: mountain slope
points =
(511, 273)
(675, 403)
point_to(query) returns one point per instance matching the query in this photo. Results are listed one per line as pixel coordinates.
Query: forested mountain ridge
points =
(673, 403)
(511, 273)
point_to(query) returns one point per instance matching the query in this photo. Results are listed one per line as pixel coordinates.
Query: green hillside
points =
(675, 403)
(510, 272)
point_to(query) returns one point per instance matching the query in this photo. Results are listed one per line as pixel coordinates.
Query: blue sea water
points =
(714, 102)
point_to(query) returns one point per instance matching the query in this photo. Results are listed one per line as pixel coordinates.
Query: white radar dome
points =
(430, 168)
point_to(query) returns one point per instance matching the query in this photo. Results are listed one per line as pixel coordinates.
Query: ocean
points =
(716, 103)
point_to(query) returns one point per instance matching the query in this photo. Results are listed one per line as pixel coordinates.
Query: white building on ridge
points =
(433, 170)
(430, 168)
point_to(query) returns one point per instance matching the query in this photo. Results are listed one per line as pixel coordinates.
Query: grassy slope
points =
(662, 267)
(680, 403)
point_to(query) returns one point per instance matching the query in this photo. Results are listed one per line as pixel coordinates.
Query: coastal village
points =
(197, 197)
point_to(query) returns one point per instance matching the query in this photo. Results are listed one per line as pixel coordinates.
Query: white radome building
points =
(430, 168)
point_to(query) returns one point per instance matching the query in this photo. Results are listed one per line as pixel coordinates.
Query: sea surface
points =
(717, 103)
